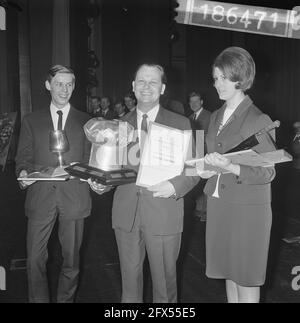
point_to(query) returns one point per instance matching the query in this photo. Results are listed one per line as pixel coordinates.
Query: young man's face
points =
(105, 103)
(195, 103)
(61, 88)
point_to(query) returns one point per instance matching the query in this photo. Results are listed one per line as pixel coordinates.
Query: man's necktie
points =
(195, 116)
(144, 130)
(59, 123)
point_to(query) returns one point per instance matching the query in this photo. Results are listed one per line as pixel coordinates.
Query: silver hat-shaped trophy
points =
(109, 139)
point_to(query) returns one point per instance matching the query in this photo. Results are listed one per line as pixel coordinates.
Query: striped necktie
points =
(144, 130)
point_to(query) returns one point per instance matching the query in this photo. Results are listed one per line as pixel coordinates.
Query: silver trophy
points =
(58, 144)
(109, 139)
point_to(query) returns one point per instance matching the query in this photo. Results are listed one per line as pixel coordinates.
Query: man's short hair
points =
(93, 97)
(159, 67)
(197, 94)
(237, 65)
(58, 69)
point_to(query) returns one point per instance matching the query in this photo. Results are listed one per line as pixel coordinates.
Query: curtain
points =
(24, 61)
(61, 33)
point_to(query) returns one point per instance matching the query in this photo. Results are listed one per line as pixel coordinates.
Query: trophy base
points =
(107, 178)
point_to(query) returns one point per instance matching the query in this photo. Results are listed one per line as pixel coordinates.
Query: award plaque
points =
(107, 178)
(109, 139)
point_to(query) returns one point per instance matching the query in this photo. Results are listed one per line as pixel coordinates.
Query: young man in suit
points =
(106, 111)
(200, 119)
(150, 220)
(46, 201)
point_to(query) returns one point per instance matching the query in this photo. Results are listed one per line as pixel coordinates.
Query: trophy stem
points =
(60, 160)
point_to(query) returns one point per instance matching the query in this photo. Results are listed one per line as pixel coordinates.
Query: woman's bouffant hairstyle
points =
(237, 65)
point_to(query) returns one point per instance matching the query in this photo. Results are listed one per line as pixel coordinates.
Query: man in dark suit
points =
(106, 111)
(150, 220)
(95, 108)
(200, 119)
(46, 201)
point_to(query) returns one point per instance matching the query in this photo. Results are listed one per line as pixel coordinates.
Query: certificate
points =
(164, 154)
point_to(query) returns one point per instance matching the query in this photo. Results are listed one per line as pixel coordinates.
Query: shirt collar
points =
(65, 110)
(198, 112)
(151, 114)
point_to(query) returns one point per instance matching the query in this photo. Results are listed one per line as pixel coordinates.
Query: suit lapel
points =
(70, 117)
(160, 118)
(47, 119)
(243, 106)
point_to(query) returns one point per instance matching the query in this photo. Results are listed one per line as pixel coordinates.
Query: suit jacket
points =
(110, 114)
(202, 122)
(253, 184)
(33, 153)
(160, 216)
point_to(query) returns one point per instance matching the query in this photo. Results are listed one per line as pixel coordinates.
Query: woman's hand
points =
(218, 160)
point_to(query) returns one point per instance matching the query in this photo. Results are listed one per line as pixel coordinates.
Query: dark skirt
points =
(237, 241)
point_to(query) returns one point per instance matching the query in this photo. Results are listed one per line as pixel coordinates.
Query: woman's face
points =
(226, 89)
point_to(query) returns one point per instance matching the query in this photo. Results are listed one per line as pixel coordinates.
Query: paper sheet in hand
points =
(249, 158)
(163, 155)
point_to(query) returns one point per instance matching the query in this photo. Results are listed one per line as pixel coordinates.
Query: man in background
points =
(106, 111)
(130, 101)
(200, 119)
(95, 108)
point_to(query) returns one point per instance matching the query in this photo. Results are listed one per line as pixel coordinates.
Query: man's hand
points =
(98, 188)
(162, 190)
(24, 184)
(204, 173)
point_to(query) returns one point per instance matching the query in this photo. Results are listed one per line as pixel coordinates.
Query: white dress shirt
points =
(197, 113)
(65, 110)
(152, 114)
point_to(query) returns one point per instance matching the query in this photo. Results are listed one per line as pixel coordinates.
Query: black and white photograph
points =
(149, 153)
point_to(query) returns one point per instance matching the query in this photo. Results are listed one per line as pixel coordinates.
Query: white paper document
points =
(164, 154)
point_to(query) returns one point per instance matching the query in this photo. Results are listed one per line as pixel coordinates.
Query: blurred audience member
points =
(200, 121)
(106, 112)
(130, 101)
(200, 117)
(95, 108)
(120, 109)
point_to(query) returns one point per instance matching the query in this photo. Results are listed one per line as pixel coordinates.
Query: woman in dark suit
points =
(239, 212)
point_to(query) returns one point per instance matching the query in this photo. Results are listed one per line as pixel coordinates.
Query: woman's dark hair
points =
(237, 65)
